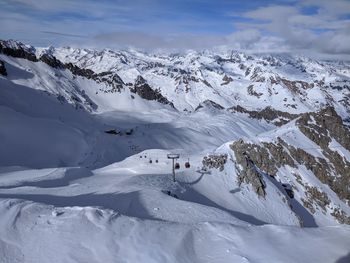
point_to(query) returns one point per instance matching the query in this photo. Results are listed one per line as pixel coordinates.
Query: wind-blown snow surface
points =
(122, 213)
(69, 192)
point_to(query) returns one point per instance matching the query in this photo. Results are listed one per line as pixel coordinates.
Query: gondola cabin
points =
(187, 164)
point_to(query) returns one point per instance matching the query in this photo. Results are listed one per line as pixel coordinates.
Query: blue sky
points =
(318, 26)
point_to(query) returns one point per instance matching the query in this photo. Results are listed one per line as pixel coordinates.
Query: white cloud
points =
(325, 31)
(330, 8)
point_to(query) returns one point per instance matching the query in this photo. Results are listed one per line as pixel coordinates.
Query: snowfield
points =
(123, 213)
(84, 173)
(36, 233)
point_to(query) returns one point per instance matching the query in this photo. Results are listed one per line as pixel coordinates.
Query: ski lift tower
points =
(173, 156)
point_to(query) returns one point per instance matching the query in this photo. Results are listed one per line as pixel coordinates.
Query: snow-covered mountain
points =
(85, 136)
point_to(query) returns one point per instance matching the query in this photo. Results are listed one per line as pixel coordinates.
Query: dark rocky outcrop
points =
(87, 73)
(268, 157)
(226, 80)
(315, 196)
(142, 88)
(185, 78)
(209, 104)
(51, 60)
(18, 50)
(248, 172)
(3, 71)
(256, 75)
(295, 86)
(113, 81)
(112, 131)
(341, 216)
(321, 127)
(215, 161)
(269, 114)
(252, 92)
(334, 171)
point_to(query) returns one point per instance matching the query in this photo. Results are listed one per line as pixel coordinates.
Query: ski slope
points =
(123, 213)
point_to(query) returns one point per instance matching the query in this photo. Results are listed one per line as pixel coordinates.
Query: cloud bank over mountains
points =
(316, 27)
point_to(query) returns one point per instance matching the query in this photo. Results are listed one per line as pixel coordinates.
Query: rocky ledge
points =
(322, 127)
(268, 114)
(3, 71)
(144, 90)
(17, 50)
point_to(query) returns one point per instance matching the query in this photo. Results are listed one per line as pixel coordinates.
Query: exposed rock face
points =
(315, 196)
(17, 50)
(270, 115)
(209, 104)
(341, 216)
(252, 92)
(295, 86)
(261, 155)
(184, 78)
(51, 61)
(142, 88)
(113, 82)
(3, 71)
(256, 75)
(334, 171)
(87, 73)
(215, 161)
(112, 131)
(321, 127)
(226, 80)
(247, 171)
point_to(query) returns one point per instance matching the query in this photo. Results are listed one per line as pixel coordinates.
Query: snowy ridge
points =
(283, 82)
(298, 84)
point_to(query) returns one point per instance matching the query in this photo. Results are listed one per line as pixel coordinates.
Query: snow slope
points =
(86, 234)
(123, 213)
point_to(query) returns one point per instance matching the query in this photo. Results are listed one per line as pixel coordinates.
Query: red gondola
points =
(177, 166)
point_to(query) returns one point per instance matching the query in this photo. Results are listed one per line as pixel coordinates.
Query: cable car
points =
(177, 166)
(150, 160)
(156, 160)
(187, 164)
